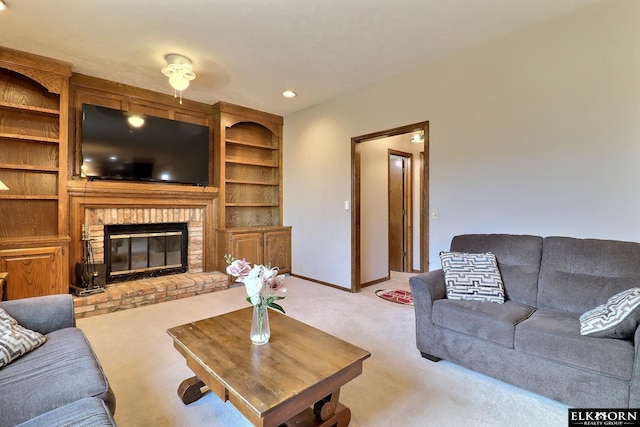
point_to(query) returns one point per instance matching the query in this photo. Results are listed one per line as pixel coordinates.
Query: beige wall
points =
(537, 132)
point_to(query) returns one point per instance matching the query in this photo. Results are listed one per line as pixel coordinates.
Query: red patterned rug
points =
(397, 296)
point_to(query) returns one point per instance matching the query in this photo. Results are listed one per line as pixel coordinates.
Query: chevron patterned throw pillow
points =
(617, 318)
(16, 340)
(472, 277)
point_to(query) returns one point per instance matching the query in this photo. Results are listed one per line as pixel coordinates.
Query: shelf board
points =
(241, 181)
(252, 205)
(254, 228)
(268, 164)
(29, 137)
(251, 144)
(27, 197)
(28, 168)
(31, 108)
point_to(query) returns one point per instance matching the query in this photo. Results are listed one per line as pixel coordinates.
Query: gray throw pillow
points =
(16, 340)
(472, 277)
(617, 318)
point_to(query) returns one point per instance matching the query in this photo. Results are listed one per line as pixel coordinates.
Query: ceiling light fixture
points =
(180, 73)
(417, 137)
(289, 94)
(3, 5)
(3, 187)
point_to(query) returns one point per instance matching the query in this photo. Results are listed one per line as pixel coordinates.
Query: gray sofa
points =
(60, 383)
(533, 340)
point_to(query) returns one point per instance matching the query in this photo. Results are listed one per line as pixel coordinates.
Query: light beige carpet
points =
(397, 388)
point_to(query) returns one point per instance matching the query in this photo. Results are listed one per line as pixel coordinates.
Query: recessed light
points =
(3, 5)
(289, 94)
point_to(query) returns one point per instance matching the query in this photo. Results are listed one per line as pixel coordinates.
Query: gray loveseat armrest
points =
(426, 288)
(634, 384)
(42, 314)
(429, 285)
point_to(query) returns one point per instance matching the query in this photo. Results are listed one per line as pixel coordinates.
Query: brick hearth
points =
(138, 293)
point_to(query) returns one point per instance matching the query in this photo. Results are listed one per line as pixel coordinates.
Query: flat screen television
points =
(135, 147)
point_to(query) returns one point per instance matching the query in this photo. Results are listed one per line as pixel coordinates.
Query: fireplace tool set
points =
(87, 276)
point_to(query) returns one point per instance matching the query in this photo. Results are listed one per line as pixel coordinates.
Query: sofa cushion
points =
(87, 412)
(472, 277)
(518, 259)
(16, 340)
(555, 335)
(64, 369)
(618, 318)
(492, 322)
(579, 274)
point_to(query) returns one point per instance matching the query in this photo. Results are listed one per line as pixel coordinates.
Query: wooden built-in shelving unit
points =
(34, 93)
(249, 146)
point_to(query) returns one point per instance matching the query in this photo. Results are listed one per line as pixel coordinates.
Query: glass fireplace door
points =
(131, 252)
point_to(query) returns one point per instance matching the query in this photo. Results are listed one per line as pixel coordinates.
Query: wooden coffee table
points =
(294, 379)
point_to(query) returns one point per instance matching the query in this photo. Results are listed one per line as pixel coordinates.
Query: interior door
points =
(399, 211)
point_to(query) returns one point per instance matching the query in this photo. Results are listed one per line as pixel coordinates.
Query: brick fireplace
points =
(100, 203)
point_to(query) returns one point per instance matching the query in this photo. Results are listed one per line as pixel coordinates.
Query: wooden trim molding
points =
(50, 73)
(230, 114)
(136, 95)
(331, 285)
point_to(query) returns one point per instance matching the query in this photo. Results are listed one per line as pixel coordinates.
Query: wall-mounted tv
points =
(136, 147)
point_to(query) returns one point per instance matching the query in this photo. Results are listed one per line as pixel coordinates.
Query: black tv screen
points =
(136, 147)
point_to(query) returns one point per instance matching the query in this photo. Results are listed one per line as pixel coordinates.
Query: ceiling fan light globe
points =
(178, 82)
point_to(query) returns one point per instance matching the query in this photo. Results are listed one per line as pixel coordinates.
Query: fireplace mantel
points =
(85, 195)
(110, 189)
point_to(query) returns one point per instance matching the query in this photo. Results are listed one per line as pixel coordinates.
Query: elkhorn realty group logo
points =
(604, 417)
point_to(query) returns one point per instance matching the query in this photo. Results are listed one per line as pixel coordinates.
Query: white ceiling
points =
(248, 52)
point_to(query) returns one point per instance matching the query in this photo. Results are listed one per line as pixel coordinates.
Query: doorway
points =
(400, 197)
(416, 255)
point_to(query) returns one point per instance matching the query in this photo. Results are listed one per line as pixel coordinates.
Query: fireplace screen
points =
(138, 250)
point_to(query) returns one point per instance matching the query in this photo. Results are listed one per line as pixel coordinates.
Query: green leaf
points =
(276, 306)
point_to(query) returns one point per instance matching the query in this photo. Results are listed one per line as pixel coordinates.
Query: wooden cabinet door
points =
(248, 246)
(277, 250)
(33, 272)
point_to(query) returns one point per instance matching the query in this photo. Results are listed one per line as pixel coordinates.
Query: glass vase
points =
(260, 330)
